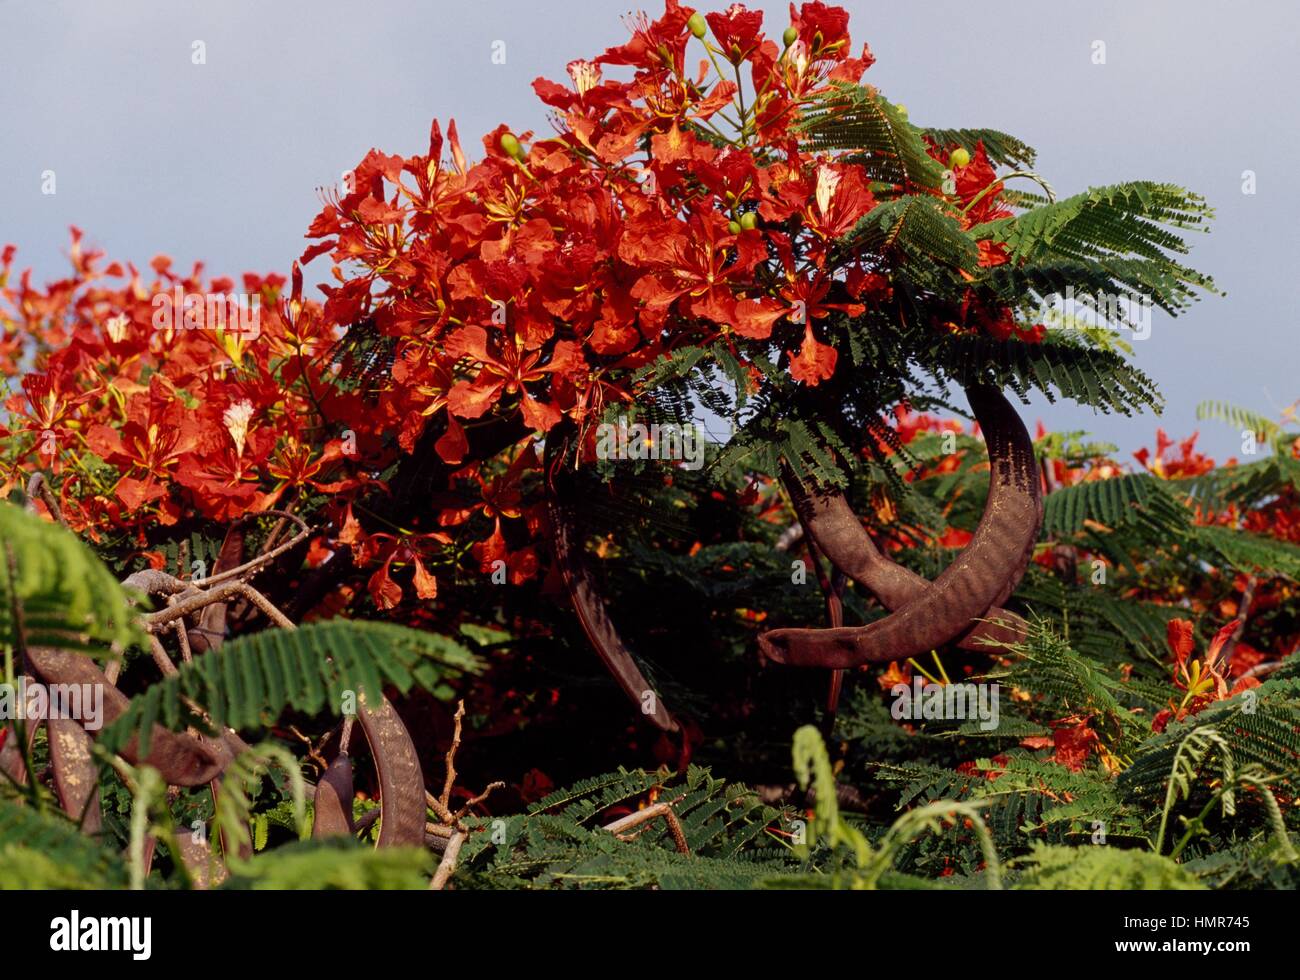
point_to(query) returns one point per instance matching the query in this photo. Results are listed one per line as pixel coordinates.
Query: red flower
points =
(824, 29)
(738, 31)
(815, 361)
(1074, 744)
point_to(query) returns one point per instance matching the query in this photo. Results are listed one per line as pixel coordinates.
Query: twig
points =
(665, 810)
(490, 788)
(448, 863)
(38, 486)
(1243, 611)
(313, 752)
(450, 781)
(436, 806)
(1262, 670)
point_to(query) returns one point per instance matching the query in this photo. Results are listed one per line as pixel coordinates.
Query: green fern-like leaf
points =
(1002, 150)
(55, 592)
(1102, 868)
(860, 120)
(923, 241)
(45, 851)
(1249, 552)
(250, 680)
(1064, 368)
(332, 863)
(1114, 503)
(1239, 418)
(1262, 727)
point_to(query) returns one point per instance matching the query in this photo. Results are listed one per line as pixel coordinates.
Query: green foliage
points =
(560, 843)
(857, 118)
(924, 240)
(1002, 150)
(251, 680)
(1239, 418)
(333, 863)
(1250, 552)
(1104, 868)
(870, 864)
(1057, 367)
(55, 592)
(234, 819)
(44, 850)
(1260, 727)
(1106, 225)
(1113, 503)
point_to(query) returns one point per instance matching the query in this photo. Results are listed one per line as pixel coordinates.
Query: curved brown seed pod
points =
(180, 759)
(11, 761)
(210, 629)
(196, 855)
(839, 535)
(987, 568)
(566, 546)
(76, 777)
(333, 801)
(401, 782)
(224, 749)
(11, 756)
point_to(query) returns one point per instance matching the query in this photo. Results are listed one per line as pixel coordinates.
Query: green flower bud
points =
(510, 145)
(733, 227)
(697, 24)
(749, 221)
(790, 36)
(959, 157)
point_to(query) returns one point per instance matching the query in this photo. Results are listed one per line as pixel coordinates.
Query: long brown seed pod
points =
(401, 782)
(76, 777)
(579, 580)
(986, 570)
(180, 759)
(332, 813)
(840, 536)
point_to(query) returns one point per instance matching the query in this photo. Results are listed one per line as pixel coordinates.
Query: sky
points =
(220, 161)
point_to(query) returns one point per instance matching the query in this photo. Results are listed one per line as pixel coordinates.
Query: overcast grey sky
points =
(220, 161)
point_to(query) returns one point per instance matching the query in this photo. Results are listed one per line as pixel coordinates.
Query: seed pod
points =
(333, 803)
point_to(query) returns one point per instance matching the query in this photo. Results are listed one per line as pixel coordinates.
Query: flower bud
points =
(510, 145)
(749, 221)
(790, 36)
(697, 24)
(733, 227)
(959, 157)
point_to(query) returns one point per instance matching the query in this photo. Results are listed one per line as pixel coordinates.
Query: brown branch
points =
(450, 779)
(38, 486)
(623, 824)
(1243, 611)
(448, 863)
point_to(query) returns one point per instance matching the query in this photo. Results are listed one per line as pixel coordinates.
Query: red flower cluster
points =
(1201, 681)
(675, 206)
(144, 416)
